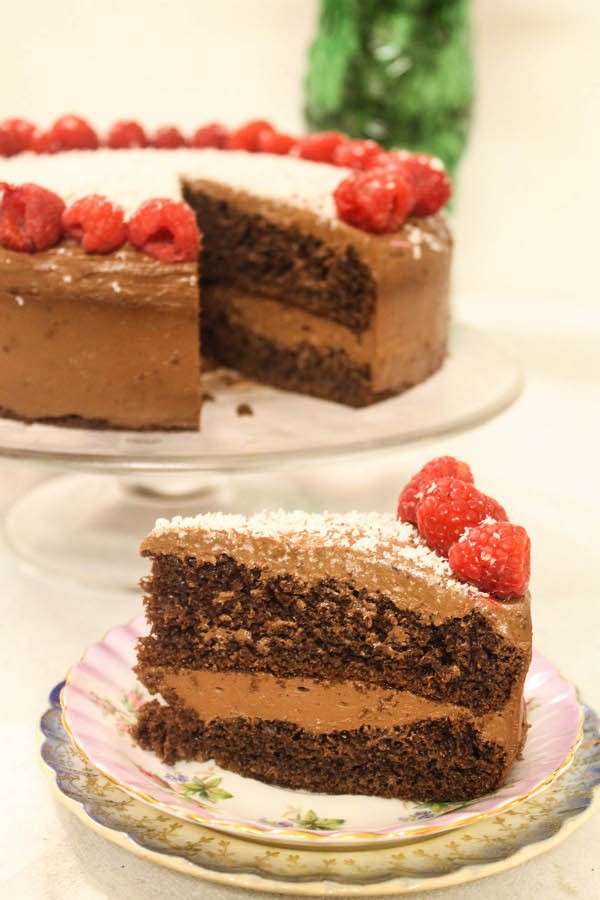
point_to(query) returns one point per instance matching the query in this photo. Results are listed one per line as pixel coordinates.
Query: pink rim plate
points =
(100, 700)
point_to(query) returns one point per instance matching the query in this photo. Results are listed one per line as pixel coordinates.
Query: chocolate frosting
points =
(321, 706)
(110, 338)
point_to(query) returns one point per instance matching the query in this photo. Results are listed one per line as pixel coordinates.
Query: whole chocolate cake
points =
(340, 653)
(289, 280)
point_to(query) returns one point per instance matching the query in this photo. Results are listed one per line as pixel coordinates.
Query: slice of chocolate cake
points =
(333, 653)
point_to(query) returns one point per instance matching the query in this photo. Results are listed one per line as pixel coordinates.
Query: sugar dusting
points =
(417, 238)
(394, 543)
(130, 177)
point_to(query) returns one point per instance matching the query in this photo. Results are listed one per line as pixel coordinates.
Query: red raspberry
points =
(429, 179)
(319, 147)
(246, 137)
(414, 491)
(386, 158)
(96, 223)
(126, 134)
(30, 218)
(15, 136)
(275, 142)
(165, 230)
(495, 558)
(356, 154)
(168, 138)
(213, 135)
(449, 507)
(44, 142)
(73, 133)
(378, 200)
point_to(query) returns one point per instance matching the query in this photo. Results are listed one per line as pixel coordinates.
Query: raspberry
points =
(247, 137)
(213, 135)
(378, 200)
(44, 142)
(165, 230)
(449, 507)
(97, 224)
(275, 142)
(30, 218)
(356, 154)
(414, 491)
(386, 158)
(126, 134)
(495, 558)
(430, 182)
(15, 136)
(72, 133)
(319, 147)
(168, 138)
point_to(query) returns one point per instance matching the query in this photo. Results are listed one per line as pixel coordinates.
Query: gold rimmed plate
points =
(486, 847)
(102, 695)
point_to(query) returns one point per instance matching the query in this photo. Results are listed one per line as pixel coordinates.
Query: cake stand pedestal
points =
(255, 442)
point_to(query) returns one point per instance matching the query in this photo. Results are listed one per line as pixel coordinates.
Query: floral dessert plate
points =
(487, 847)
(99, 703)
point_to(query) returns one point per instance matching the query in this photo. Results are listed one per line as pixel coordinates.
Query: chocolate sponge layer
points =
(227, 616)
(246, 249)
(439, 760)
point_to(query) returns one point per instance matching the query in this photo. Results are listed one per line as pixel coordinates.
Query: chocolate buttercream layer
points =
(105, 340)
(319, 706)
(226, 615)
(440, 760)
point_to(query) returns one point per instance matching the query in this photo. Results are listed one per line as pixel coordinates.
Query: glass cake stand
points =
(85, 526)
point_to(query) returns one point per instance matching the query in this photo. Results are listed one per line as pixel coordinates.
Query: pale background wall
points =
(529, 190)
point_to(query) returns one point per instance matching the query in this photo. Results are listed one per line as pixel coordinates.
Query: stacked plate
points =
(213, 824)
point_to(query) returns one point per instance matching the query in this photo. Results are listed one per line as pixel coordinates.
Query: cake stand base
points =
(88, 528)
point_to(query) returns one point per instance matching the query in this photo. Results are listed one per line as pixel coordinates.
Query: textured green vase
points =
(397, 71)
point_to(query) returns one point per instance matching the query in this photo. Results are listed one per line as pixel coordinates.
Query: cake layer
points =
(442, 759)
(353, 596)
(113, 343)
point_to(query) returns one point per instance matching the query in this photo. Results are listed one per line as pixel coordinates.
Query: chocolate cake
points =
(291, 295)
(333, 653)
